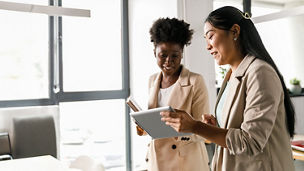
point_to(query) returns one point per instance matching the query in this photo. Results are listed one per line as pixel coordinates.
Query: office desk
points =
(41, 163)
(298, 155)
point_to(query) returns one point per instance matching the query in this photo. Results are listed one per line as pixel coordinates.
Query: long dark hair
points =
(224, 18)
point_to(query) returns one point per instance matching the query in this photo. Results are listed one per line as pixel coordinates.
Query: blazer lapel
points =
(234, 82)
(181, 90)
(153, 96)
(232, 93)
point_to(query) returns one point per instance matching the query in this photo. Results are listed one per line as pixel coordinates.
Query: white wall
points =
(197, 58)
(296, 32)
(299, 109)
(283, 38)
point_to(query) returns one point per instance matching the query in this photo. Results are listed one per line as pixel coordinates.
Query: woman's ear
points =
(236, 30)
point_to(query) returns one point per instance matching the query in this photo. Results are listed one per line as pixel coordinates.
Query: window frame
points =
(56, 75)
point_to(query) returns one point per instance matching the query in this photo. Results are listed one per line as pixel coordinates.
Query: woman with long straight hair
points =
(254, 117)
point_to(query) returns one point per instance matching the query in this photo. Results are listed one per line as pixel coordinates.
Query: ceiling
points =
(278, 2)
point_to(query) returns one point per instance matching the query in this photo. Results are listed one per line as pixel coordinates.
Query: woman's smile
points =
(168, 68)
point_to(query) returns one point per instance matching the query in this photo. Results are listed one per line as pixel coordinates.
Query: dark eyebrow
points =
(165, 51)
(208, 32)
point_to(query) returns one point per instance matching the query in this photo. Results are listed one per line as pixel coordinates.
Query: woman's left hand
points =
(179, 120)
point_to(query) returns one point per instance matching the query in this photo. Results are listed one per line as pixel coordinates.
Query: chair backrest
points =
(5, 146)
(33, 136)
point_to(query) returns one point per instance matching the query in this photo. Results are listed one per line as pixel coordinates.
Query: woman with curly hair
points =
(181, 89)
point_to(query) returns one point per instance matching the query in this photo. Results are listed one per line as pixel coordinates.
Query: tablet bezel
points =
(150, 121)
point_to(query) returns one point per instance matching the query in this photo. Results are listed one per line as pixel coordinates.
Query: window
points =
(86, 58)
(92, 105)
(92, 47)
(24, 66)
(95, 129)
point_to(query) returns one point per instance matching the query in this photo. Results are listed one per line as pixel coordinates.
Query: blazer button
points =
(173, 146)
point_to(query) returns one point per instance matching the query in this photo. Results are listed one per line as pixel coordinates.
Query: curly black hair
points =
(171, 30)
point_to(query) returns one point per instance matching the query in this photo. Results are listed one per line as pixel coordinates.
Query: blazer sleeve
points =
(200, 101)
(264, 94)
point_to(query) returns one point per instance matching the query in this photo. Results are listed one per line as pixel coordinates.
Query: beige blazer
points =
(254, 114)
(186, 153)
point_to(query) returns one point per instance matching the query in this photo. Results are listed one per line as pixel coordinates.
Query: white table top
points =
(41, 163)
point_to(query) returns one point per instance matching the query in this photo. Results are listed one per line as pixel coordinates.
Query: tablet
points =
(150, 121)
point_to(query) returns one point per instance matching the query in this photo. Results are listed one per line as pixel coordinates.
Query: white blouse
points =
(163, 95)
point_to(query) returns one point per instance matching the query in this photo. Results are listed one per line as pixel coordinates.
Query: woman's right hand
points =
(140, 131)
(209, 119)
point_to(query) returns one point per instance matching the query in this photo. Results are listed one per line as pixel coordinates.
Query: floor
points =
(299, 165)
